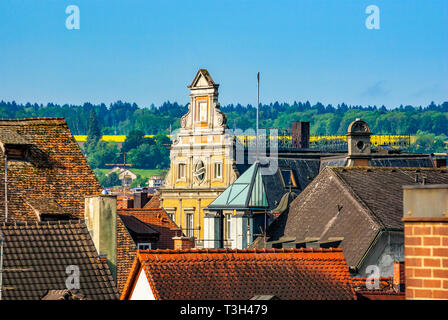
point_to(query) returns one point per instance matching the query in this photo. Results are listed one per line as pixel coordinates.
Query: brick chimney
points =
(183, 243)
(398, 279)
(426, 241)
(300, 135)
(140, 199)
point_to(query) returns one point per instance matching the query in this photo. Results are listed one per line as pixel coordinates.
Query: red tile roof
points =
(385, 284)
(154, 202)
(302, 274)
(55, 172)
(384, 292)
(124, 202)
(158, 220)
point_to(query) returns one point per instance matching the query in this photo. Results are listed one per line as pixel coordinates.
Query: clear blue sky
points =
(148, 51)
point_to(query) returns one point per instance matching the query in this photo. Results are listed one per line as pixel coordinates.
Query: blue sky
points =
(148, 51)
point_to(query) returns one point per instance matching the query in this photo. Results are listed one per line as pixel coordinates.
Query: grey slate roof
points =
(380, 189)
(37, 254)
(353, 203)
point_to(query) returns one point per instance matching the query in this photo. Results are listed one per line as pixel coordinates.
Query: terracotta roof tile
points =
(156, 219)
(304, 274)
(154, 202)
(55, 171)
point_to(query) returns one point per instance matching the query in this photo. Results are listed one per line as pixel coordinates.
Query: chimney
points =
(100, 214)
(300, 135)
(359, 147)
(140, 199)
(183, 243)
(398, 276)
(425, 210)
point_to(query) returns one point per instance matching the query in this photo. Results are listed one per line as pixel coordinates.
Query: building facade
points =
(202, 162)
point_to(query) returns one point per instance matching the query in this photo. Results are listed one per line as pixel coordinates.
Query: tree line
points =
(123, 117)
(429, 122)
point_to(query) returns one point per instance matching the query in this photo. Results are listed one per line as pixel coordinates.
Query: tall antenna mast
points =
(258, 103)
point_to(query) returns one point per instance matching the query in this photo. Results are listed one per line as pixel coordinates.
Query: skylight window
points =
(288, 178)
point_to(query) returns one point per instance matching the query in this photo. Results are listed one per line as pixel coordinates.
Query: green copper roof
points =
(246, 192)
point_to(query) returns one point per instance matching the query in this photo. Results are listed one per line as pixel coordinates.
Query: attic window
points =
(16, 151)
(288, 178)
(144, 246)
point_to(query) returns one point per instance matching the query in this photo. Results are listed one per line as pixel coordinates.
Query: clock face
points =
(199, 170)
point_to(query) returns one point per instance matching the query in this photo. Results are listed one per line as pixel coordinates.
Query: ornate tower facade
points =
(202, 161)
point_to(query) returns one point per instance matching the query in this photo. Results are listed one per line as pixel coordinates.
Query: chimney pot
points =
(183, 243)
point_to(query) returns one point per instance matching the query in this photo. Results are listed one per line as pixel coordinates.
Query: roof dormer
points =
(13, 145)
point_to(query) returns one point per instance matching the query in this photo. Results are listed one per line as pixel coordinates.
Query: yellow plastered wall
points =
(180, 215)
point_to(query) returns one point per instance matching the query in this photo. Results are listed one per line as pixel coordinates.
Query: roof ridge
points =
(241, 251)
(334, 168)
(42, 223)
(32, 119)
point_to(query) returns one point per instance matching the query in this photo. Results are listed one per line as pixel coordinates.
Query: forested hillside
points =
(121, 117)
(429, 123)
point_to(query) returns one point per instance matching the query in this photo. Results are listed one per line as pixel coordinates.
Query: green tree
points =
(102, 153)
(134, 139)
(94, 131)
(428, 143)
(108, 180)
(139, 182)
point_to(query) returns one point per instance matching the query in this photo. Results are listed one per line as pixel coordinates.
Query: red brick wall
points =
(426, 260)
